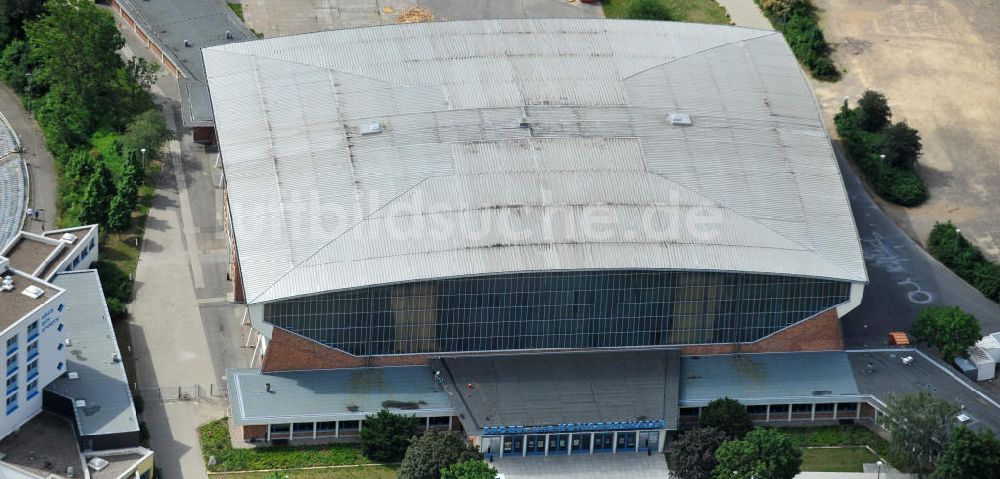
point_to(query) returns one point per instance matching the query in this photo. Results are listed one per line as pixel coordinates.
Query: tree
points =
(969, 454)
(77, 46)
(433, 451)
(779, 9)
(149, 131)
(13, 14)
(96, 197)
(386, 436)
(728, 416)
(648, 10)
(901, 145)
(692, 455)
(139, 75)
(949, 329)
(918, 425)
(128, 185)
(874, 111)
(764, 452)
(469, 470)
(119, 214)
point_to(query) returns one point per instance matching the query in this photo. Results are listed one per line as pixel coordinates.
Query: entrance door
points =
(558, 443)
(649, 441)
(626, 441)
(581, 443)
(513, 445)
(604, 441)
(490, 445)
(536, 444)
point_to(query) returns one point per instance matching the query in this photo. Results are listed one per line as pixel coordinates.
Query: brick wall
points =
(819, 333)
(290, 352)
(235, 275)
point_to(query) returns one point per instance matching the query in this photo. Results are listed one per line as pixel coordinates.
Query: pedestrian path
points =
(746, 13)
(595, 466)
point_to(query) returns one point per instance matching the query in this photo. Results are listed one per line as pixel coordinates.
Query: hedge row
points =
(948, 245)
(798, 21)
(897, 184)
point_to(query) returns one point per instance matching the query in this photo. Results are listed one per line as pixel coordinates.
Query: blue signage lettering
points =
(575, 427)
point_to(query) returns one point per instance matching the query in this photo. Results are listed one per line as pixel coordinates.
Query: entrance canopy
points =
(567, 391)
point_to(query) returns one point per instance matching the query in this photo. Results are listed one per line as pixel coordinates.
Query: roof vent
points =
(229, 35)
(33, 292)
(7, 284)
(680, 119)
(115, 358)
(73, 375)
(187, 43)
(69, 237)
(372, 128)
(68, 342)
(80, 403)
(97, 464)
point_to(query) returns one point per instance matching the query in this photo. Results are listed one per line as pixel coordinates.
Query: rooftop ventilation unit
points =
(69, 238)
(7, 284)
(73, 375)
(33, 292)
(373, 128)
(97, 464)
(80, 403)
(680, 119)
(115, 358)
(68, 342)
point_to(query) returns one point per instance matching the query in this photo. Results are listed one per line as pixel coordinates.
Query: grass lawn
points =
(237, 8)
(840, 459)
(215, 441)
(694, 11)
(361, 472)
(837, 436)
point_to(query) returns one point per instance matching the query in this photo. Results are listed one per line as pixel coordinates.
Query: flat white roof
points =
(407, 152)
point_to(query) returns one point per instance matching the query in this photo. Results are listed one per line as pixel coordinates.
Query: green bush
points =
(727, 415)
(797, 20)
(115, 282)
(952, 249)
(949, 329)
(386, 436)
(900, 183)
(215, 441)
(648, 10)
(433, 451)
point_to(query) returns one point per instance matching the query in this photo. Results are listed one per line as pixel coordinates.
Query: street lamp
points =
(878, 469)
(28, 90)
(143, 152)
(958, 240)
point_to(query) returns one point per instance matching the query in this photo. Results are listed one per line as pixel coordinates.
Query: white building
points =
(33, 334)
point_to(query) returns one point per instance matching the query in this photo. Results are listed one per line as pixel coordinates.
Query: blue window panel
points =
(60, 347)
(60, 327)
(31, 395)
(59, 366)
(11, 369)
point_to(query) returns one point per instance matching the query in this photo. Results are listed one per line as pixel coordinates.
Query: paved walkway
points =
(745, 13)
(184, 329)
(596, 466)
(41, 165)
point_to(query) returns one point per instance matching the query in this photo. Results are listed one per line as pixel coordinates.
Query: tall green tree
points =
(433, 451)
(949, 329)
(469, 470)
(763, 453)
(140, 74)
(77, 47)
(96, 197)
(119, 214)
(969, 453)
(386, 436)
(919, 426)
(727, 415)
(692, 455)
(147, 130)
(901, 145)
(874, 113)
(13, 14)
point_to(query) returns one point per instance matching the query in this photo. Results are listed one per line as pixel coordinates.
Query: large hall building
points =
(470, 220)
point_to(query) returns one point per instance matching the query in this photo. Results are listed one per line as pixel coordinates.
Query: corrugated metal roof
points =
(765, 378)
(334, 395)
(102, 382)
(518, 145)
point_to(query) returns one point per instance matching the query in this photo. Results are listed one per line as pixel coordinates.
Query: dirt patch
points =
(938, 62)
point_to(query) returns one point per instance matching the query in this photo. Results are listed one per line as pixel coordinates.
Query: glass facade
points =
(554, 310)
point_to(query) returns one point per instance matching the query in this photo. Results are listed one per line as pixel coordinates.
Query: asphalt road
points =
(903, 277)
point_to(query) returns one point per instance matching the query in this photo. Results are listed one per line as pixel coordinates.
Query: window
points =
(326, 426)
(32, 331)
(61, 307)
(11, 403)
(439, 421)
(12, 345)
(847, 407)
(824, 407)
(302, 427)
(32, 389)
(779, 409)
(32, 370)
(12, 364)
(60, 327)
(349, 425)
(59, 366)
(32, 350)
(802, 408)
(757, 409)
(60, 347)
(689, 412)
(12, 384)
